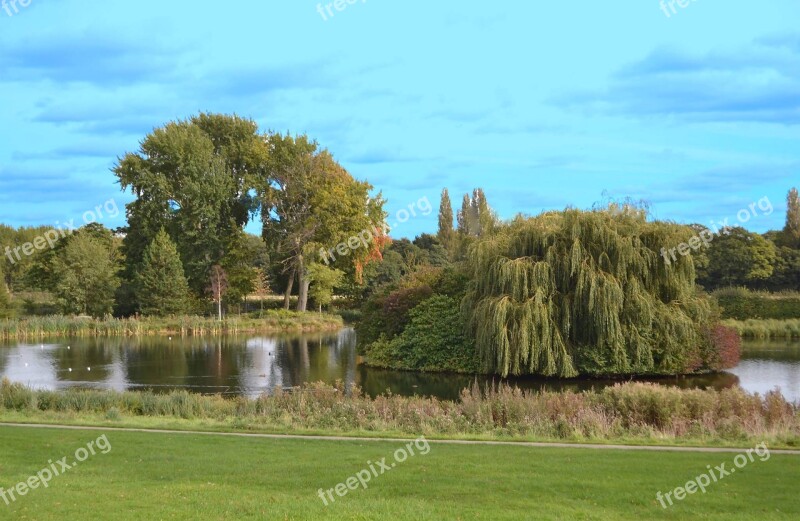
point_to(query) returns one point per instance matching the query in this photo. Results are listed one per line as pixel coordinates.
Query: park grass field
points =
(189, 476)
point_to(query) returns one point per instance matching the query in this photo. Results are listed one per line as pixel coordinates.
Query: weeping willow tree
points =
(586, 292)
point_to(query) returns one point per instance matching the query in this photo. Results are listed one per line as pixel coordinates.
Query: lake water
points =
(251, 365)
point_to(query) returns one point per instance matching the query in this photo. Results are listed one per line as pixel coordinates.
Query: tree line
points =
(197, 184)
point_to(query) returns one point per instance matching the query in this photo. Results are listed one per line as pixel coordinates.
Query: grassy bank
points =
(174, 476)
(266, 322)
(638, 413)
(755, 329)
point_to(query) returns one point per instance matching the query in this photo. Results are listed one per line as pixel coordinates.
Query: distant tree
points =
(446, 232)
(5, 296)
(738, 257)
(17, 265)
(433, 252)
(324, 281)
(792, 229)
(219, 286)
(786, 275)
(476, 218)
(161, 286)
(465, 217)
(261, 285)
(86, 276)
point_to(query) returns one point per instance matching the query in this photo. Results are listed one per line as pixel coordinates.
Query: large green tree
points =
(576, 292)
(310, 205)
(161, 286)
(195, 179)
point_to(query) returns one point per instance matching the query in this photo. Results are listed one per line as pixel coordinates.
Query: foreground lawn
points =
(183, 476)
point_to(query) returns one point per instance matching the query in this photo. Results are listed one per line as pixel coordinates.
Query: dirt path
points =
(590, 446)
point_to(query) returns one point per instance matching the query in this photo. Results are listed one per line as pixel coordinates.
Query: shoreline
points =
(187, 326)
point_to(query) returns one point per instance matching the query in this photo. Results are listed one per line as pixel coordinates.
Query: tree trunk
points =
(302, 298)
(302, 302)
(288, 295)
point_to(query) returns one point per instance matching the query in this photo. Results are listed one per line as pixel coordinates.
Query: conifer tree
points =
(161, 286)
(446, 232)
(792, 229)
(464, 217)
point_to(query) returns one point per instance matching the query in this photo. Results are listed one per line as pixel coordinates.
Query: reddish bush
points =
(399, 303)
(726, 348)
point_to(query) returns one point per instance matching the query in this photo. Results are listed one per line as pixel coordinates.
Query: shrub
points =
(397, 305)
(435, 340)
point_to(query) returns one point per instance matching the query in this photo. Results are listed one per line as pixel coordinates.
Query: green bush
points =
(434, 340)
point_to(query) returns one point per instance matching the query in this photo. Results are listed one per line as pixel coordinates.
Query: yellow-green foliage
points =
(586, 292)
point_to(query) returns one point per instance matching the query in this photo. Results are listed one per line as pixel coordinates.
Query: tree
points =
(195, 179)
(792, 229)
(261, 285)
(574, 292)
(5, 296)
(219, 286)
(309, 205)
(465, 221)
(738, 258)
(15, 264)
(786, 275)
(324, 280)
(161, 286)
(86, 276)
(433, 252)
(446, 231)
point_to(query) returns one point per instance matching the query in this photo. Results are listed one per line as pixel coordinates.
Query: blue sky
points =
(543, 104)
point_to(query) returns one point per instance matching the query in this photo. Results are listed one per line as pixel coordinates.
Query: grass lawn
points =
(183, 476)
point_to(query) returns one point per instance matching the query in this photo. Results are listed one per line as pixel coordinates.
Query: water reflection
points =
(253, 365)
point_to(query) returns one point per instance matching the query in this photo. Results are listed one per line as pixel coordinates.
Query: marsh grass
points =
(63, 326)
(631, 411)
(766, 329)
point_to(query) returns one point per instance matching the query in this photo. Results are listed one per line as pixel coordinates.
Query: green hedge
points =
(759, 306)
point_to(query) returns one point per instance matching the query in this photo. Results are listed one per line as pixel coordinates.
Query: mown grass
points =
(626, 413)
(766, 329)
(266, 322)
(188, 477)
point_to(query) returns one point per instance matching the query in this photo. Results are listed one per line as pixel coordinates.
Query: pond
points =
(251, 365)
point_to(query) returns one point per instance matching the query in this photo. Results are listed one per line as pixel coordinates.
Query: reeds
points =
(626, 411)
(766, 329)
(63, 326)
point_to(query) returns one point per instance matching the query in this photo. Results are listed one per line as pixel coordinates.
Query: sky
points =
(544, 105)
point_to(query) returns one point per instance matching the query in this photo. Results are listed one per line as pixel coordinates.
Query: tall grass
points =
(63, 326)
(633, 411)
(766, 329)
